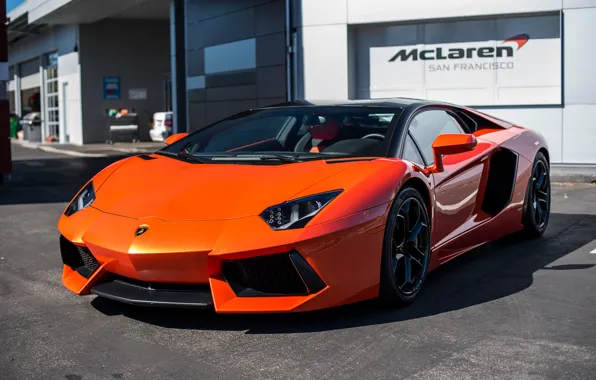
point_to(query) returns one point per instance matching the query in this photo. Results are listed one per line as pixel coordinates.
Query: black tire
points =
(538, 198)
(396, 257)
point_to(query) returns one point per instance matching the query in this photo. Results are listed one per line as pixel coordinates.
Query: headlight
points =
(298, 212)
(83, 200)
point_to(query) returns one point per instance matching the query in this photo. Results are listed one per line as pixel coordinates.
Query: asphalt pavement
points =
(512, 309)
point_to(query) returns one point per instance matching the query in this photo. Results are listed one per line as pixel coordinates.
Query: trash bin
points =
(31, 124)
(123, 127)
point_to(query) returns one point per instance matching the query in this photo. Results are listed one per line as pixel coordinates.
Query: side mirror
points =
(451, 144)
(175, 137)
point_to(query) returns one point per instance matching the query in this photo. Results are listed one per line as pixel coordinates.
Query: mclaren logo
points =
(439, 53)
(141, 230)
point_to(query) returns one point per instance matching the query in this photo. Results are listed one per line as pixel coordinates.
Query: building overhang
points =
(88, 11)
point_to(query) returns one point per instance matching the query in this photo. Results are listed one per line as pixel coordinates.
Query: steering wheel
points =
(376, 136)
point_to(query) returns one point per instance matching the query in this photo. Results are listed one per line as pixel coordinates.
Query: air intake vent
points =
(272, 275)
(146, 157)
(78, 258)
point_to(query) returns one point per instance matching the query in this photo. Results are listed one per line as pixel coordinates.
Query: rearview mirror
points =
(175, 137)
(451, 144)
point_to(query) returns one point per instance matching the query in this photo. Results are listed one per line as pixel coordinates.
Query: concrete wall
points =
(570, 129)
(138, 51)
(235, 54)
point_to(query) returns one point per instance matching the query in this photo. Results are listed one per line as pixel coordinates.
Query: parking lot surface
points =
(512, 309)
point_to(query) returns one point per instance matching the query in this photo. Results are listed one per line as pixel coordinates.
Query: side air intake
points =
(501, 181)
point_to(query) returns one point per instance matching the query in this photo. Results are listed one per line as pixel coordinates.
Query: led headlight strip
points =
(83, 200)
(298, 212)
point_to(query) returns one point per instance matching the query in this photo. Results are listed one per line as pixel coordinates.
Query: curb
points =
(70, 152)
(572, 178)
(50, 149)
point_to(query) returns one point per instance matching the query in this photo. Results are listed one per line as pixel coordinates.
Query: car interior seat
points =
(319, 136)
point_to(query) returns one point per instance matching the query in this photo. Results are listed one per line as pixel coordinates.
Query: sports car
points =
(304, 205)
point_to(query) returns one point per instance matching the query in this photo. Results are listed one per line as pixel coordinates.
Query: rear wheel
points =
(537, 203)
(406, 249)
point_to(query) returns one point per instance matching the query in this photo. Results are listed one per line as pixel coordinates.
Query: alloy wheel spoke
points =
(416, 230)
(398, 256)
(540, 213)
(540, 179)
(408, 269)
(399, 232)
(419, 253)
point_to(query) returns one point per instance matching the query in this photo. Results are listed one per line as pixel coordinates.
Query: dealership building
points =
(530, 62)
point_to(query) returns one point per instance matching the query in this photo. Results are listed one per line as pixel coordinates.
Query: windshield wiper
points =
(280, 157)
(191, 157)
(258, 157)
(185, 156)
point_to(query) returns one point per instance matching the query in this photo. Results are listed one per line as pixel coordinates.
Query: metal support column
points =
(18, 100)
(5, 154)
(43, 111)
(178, 53)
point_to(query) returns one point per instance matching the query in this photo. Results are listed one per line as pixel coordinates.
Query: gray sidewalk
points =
(93, 150)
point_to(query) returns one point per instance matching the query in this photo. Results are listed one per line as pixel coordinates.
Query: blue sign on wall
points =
(111, 88)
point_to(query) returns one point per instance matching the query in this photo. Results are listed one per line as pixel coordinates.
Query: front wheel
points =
(406, 249)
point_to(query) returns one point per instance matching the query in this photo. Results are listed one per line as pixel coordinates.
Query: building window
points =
(52, 105)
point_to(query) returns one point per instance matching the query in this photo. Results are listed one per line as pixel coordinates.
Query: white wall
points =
(547, 121)
(69, 71)
(323, 46)
(366, 11)
(30, 81)
(579, 114)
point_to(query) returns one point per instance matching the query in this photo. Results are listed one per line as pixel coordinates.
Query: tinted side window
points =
(411, 152)
(427, 125)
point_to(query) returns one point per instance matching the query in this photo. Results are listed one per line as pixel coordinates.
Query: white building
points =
(530, 62)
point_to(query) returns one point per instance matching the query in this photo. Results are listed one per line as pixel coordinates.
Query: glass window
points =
(428, 125)
(302, 132)
(411, 152)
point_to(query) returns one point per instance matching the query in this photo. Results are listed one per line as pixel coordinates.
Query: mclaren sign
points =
(460, 53)
(456, 53)
(516, 70)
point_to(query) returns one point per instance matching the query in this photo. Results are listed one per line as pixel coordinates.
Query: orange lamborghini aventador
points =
(303, 206)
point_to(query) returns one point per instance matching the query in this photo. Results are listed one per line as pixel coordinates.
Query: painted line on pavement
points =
(70, 152)
(593, 252)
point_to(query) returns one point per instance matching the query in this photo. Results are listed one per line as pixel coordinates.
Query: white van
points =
(162, 126)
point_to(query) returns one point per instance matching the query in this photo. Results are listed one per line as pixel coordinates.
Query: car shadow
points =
(493, 271)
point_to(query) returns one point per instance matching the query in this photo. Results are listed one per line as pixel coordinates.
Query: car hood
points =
(171, 189)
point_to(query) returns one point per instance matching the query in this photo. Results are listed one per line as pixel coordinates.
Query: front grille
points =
(264, 275)
(89, 261)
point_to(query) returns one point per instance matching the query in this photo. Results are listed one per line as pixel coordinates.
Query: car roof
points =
(384, 102)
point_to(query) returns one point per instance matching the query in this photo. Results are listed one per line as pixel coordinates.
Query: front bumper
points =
(234, 266)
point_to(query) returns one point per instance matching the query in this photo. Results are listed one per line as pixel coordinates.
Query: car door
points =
(456, 188)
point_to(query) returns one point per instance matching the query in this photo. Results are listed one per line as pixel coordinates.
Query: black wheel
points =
(406, 249)
(537, 203)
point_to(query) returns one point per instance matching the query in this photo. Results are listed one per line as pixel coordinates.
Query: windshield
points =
(292, 134)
